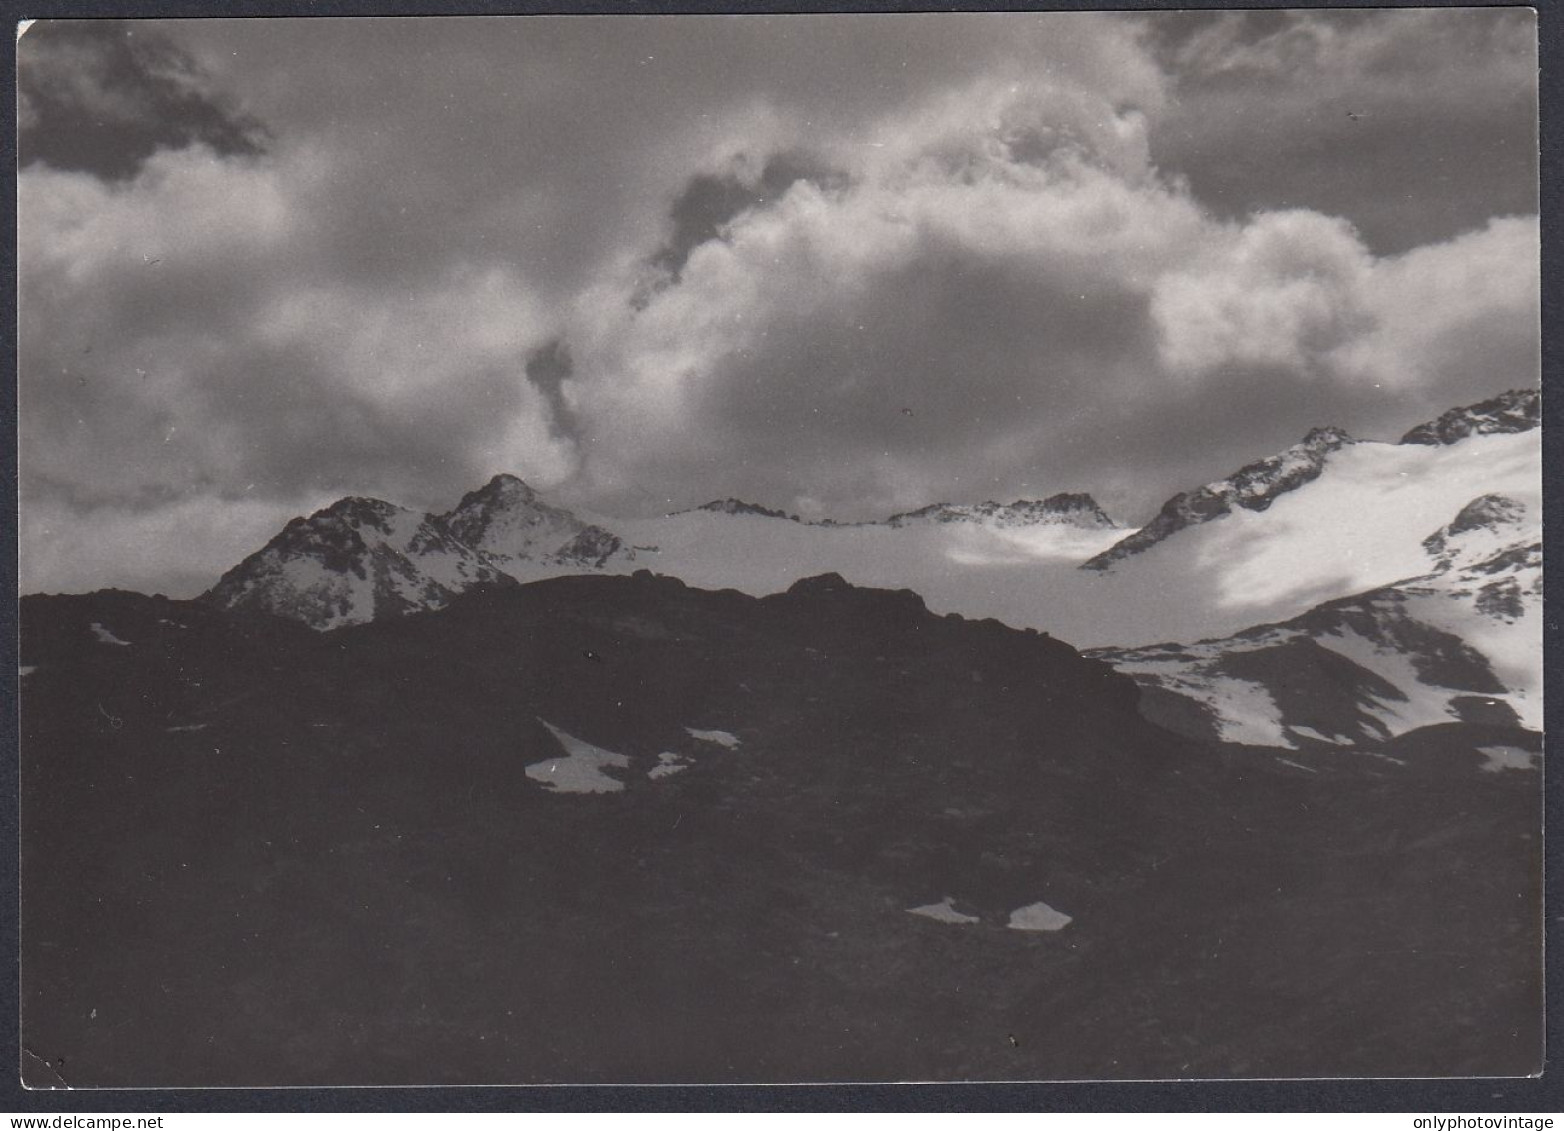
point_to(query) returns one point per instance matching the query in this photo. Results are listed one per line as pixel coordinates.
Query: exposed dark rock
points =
(1518, 410)
(1254, 487)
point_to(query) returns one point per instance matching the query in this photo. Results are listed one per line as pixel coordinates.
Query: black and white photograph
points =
(780, 549)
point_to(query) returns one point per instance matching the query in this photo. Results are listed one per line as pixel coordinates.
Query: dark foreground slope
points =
(254, 854)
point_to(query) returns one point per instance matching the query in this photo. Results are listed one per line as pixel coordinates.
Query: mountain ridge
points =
(1255, 486)
(1515, 410)
(320, 572)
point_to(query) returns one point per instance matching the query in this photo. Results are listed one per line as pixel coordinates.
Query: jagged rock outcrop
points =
(1065, 509)
(1517, 410)
(740, 507)
(1254, 487)
(1477, 526)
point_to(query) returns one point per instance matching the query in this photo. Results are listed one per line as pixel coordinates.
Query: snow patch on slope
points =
(668, 764)
(1499, 758)
(1038, 917)
(582, 768)
(944, 911)
(1397, 669)
(108, 637)
(719, 737)
(1241, 710)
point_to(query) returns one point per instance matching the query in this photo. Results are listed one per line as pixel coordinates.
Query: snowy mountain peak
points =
(507, 522)
(354, 511)
(1254, 487)
(341, 528)
(503, 489)
(1065, 509)
(362, 559)
(1076, 503)
(357, 560)
(1518, 410)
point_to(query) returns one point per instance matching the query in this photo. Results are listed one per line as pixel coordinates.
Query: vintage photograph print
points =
(726, 549)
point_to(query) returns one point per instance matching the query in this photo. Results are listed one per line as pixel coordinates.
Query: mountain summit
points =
(506, 520)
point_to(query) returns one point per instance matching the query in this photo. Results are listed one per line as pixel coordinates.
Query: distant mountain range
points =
(363, 559)
(1065, 509)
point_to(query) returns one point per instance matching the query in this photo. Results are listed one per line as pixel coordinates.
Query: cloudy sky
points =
(839, 264)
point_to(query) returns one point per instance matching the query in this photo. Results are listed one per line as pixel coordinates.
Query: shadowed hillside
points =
(602, 829)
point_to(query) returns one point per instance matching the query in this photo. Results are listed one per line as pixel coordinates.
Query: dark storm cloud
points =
(103, 96)
(562, 144)
(1415, 125)
(548, 368)
(944, 368)
(710, 200)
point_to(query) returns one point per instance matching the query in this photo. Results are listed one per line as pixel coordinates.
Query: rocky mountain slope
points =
(1066, 509)
(1254, 487)
(731, 505)
(1518, 410)
(508, 522)
(357, 560)
(1462, 640)
(364, 559)
(1258, 485)
(617, 829)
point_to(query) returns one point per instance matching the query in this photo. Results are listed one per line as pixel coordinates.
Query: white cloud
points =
(1043, 192)
(1009, 260)
(185, 205)
(182, 331)
(1299, 292)
(1452, 312)
(1284, 290)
